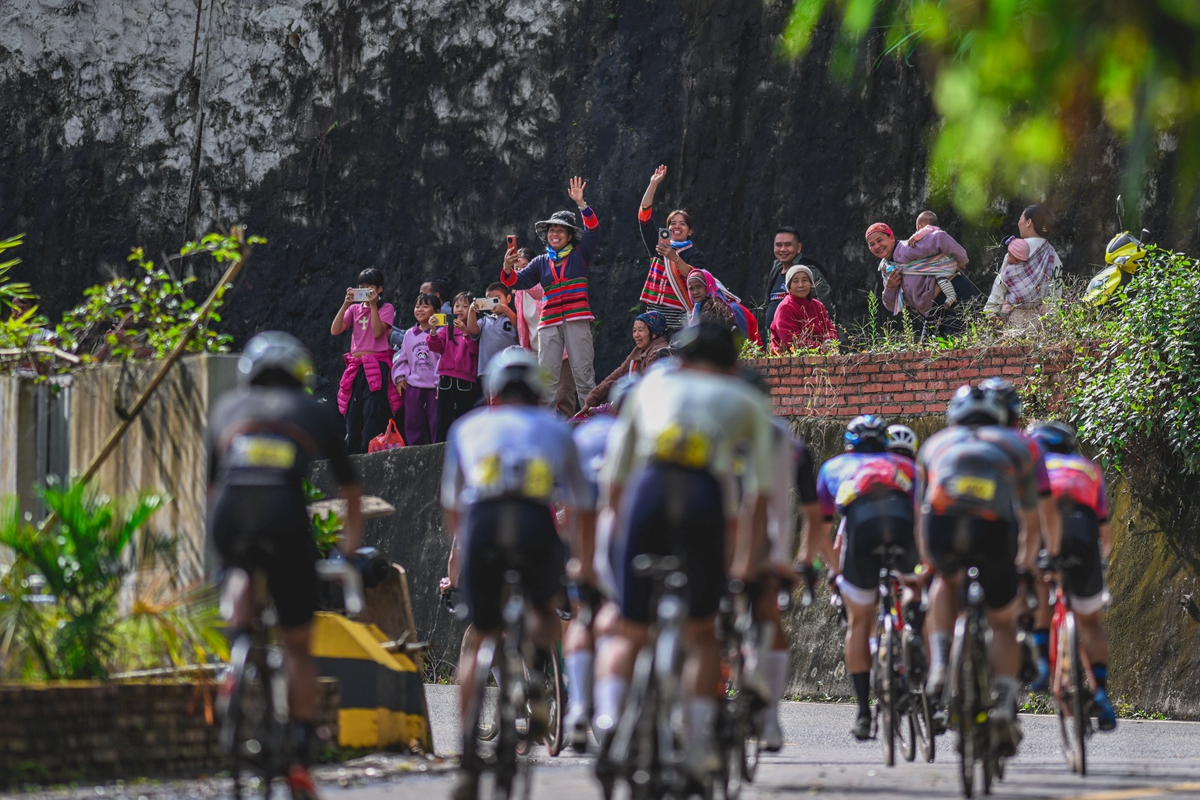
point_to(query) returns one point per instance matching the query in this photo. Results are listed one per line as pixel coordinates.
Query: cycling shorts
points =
(1083, 577)
(956, 543)
(875, 522)
(509, 534)
(267, 529)
(672, 510)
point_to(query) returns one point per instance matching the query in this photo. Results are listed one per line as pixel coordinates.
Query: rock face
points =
(413, 136)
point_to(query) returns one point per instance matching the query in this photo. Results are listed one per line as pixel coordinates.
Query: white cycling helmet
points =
(278, 352)
(902, 439)
(515, 365)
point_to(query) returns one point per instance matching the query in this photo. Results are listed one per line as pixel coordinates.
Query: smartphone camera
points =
(664, 233)
(437, 320)
(361, 295)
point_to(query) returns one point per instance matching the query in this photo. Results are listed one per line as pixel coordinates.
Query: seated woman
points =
(709, 303)
(671, 259)
(801, 319)
(911, 275)
(649, 331)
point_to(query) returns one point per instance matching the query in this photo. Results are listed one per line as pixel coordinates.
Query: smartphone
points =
(512, 243)
(664, 233)
(361, 295)
(486, 303)
(437, 320)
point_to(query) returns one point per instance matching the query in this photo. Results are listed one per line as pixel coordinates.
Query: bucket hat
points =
(564, 218)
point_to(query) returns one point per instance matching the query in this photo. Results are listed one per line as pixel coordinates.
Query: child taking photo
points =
(415, 373)
(366, 398)
(458, 390)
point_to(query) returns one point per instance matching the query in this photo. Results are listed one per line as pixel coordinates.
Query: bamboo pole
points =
(118, 433)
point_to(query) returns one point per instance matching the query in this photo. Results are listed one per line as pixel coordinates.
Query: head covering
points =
(879, 227)
(796, 270)
(563, 218)
(1018, 248)
(710, 283)
(655, 321)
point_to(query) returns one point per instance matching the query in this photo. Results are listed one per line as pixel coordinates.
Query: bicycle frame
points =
(1071, 679)
(970, 699)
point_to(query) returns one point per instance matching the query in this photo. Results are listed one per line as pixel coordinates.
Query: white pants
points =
(576, 339)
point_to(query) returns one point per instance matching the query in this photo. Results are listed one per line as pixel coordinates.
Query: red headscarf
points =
(879, 227)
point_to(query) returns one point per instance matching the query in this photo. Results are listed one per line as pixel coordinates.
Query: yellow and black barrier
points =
(383, 699)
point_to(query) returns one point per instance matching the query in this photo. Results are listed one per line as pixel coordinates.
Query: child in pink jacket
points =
(458, 390)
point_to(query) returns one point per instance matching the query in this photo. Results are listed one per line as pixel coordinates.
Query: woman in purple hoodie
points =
(458, 391)
(415, 373)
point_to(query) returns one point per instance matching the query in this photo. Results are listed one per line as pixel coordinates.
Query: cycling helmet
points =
(621, 389)
(275, 353)
(755, 378)
(1054, 437)
(706, 343)
(971, 405)
(515, 371)
(1008, 396)
(867, 434)
(902, 439)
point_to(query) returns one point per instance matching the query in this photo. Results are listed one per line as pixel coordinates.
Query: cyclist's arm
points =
(1051, 524)
(752, 538)
(452, 564)
(1027, 540)
(581, 514)
(352, 532)
(1106, 542)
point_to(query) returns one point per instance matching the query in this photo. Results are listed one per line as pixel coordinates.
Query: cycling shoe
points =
(575, 727)
(771, 735)
(1106, 717)
(862, 727)
(1042, 682)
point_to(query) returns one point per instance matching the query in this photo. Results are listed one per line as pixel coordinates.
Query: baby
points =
(927, 223)
(1018, 253)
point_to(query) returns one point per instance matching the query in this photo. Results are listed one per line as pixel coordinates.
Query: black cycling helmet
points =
(706, 343)
(866, 434)
(1054, 437)
(1008, 395)
(755, 378)
(275, 357)
(514, 373)
(972, 406)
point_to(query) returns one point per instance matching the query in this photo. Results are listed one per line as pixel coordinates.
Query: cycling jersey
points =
(979, 472)
(511, 451)
(794, 467)
(849, 476)
(1077, 480)
(591, 441)
(261, 441)
(699, 421)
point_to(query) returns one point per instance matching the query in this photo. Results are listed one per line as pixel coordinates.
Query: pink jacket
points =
(378, 368)
(460, 354)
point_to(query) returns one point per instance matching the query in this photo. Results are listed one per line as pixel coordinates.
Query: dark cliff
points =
(413, 136)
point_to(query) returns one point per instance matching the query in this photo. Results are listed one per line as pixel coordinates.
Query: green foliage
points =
(83, 599)
(1017, 82)
(326, 529)
(1143, 386)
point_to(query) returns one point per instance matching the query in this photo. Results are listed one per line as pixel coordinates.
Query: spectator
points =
(649, 332)
(458, 389)
(440, 288)
(709, 304)
(801, 320)
(1023, 285)
(927, 224)
(787, 255)
(528, 304)
(566, 321)
(671, 259)
(415, 373)
(907, 283)
(366, 396)
(492, 320)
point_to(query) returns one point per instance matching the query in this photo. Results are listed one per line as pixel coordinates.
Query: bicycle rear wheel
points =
(920, 710)
(1070, 692)
(252, 731)
(482, 724)
(966, 705)
(552, 686)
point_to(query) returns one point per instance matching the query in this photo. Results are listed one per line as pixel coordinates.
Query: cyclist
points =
(795, 479)
(670, 474)
(873, 491)
(262, 437)
(1051, 523)
(976, 485)
(903, 440)
(506, 464)
(1082, 498)
(591, 439)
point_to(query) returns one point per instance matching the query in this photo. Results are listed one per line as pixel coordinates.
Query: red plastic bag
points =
(388, 440)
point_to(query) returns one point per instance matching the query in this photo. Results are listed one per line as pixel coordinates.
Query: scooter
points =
(1124, 255)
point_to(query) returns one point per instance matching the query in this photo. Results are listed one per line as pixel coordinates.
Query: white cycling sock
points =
(777, 675)
(609, 695)
(939, 643)
(578, 668)
(702, 719)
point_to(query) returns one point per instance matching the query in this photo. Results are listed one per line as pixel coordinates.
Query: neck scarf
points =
(679, 245)
(559, 255)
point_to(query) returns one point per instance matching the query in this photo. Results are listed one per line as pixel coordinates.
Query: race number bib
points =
(262, 452)
(686, 447)
(968, 486)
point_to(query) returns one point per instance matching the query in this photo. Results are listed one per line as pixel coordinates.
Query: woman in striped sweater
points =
(671, 259)
(566, 322)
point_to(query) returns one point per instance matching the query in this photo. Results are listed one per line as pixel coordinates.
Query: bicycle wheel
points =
(670, 711)
(481, 723)
(920, 714)
(1070, 693)
(551, 685)
(964, 703)
(254, 743)
(732, 733)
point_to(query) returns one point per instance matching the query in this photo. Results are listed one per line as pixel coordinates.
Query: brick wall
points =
(59, 733)
(907, 383)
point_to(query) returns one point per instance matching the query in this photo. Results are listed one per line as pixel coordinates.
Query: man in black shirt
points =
(262, 437)
(787, 248)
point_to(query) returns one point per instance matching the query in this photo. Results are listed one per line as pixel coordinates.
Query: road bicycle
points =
(646, 751)
(253, 700)
(1071, 680)
(739, 730)
(970, 688)
(904, 714)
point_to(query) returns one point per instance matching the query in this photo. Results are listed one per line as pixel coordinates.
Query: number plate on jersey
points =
(969, 486)
(263, 452)
(687, 447)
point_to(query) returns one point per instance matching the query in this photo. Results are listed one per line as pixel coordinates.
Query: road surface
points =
(1140, 759)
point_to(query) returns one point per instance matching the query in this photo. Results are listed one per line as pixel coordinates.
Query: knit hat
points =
(796, 270)
(1018, 248)
(655, 322)
(563, 218)
(879, 227)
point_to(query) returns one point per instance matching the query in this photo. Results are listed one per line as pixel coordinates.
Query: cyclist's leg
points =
(939, 533)
(618, 641)
(766, 613)
(859, 587)
(995, 556)
(480, 582)
(1084, 582)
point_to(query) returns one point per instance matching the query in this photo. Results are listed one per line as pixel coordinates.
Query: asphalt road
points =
(1140, 759)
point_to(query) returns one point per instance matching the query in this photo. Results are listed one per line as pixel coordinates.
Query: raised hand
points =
(659, 175)
(575, 190)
